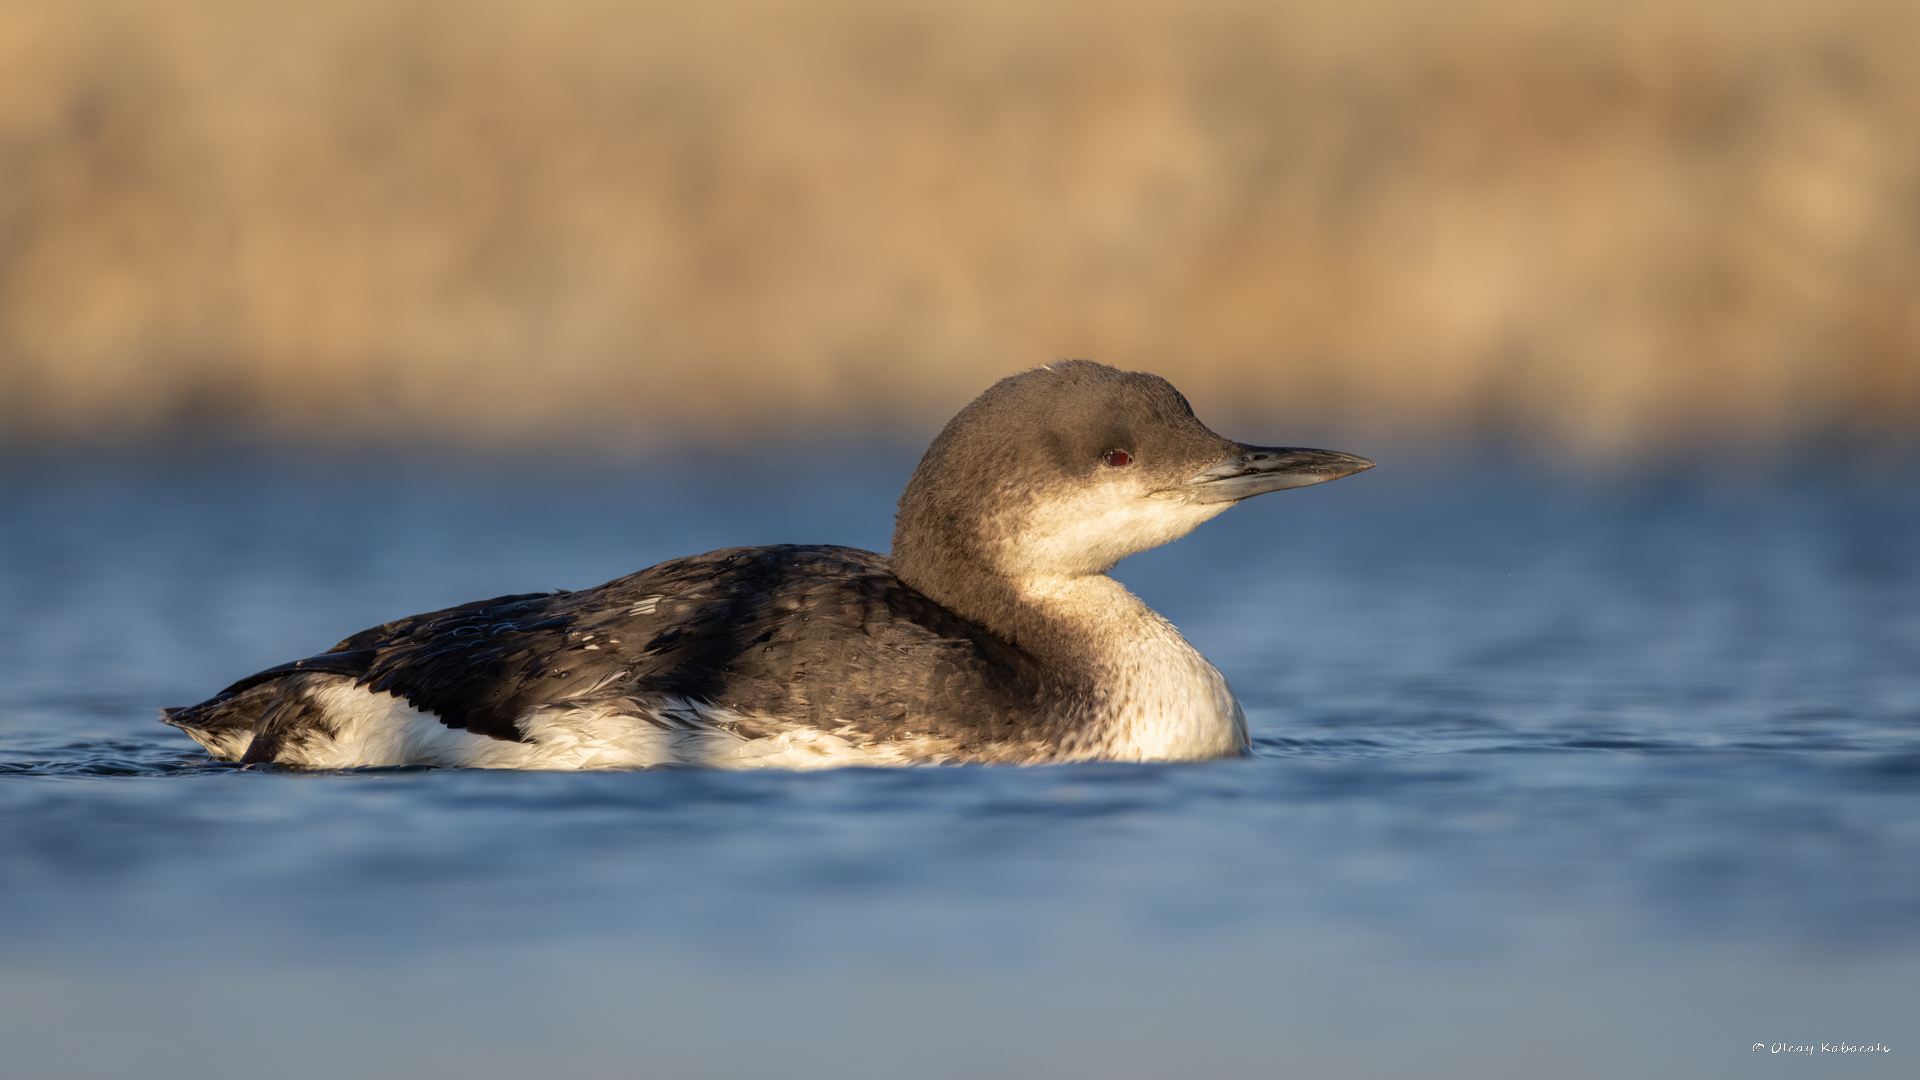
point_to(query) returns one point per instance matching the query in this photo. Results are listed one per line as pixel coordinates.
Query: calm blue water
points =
(1554, 777)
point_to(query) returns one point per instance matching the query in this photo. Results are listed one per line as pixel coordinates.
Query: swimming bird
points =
(992, 634)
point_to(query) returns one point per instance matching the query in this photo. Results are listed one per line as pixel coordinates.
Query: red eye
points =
(1117, 458)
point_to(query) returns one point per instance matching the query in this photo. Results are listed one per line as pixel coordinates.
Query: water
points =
(1553, 778)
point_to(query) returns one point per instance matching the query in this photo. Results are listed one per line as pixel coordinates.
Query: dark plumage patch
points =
(825, 636)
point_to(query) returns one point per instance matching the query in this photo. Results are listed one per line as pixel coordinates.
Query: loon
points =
(992, 634)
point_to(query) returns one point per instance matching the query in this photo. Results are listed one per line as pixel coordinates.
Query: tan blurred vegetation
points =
(1597, 225)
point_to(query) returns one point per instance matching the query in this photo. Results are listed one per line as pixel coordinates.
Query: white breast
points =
(1162, 700)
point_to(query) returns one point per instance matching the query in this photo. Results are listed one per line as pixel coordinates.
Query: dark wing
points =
(828, 637)
(463, 632)
(825, 636)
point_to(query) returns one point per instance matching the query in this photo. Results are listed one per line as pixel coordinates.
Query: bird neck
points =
(1144, 691)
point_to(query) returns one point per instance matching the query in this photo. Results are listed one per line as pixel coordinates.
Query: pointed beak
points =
(1256, 470)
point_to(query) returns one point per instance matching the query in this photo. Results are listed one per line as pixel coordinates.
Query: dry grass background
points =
(1603, 227)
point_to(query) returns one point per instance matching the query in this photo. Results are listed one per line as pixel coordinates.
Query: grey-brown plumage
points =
(991, 634)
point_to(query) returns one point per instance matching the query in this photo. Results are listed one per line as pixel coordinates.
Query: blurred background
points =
(1561, 767)
(1601, 229)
